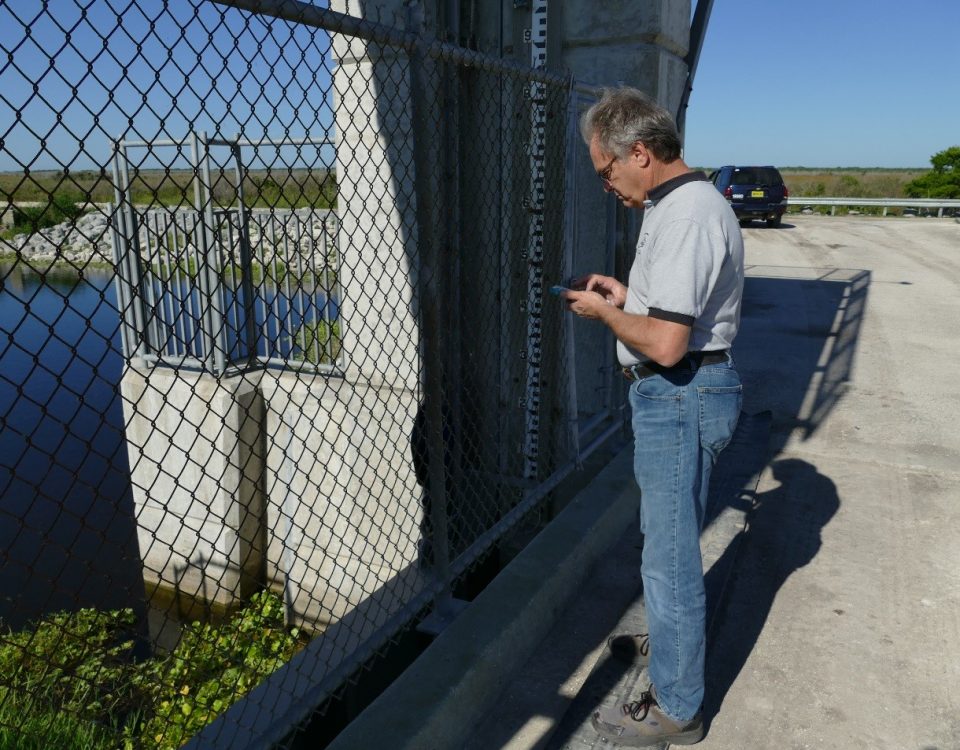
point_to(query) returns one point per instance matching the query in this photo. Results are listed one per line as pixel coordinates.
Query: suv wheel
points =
(774, 221)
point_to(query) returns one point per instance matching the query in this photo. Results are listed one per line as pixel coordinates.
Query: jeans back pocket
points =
(719, 413)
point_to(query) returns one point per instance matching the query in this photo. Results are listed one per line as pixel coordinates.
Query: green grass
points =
(317, 187)
(25, 726)
(849, 183)
(277, 273)
(56, 208)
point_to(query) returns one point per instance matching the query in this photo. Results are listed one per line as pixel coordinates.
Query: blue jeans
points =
(681, 422)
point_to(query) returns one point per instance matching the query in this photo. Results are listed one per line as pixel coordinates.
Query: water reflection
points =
(68, 530)
(67, 525)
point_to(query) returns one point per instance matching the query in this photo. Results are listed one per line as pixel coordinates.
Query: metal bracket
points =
(445, 613)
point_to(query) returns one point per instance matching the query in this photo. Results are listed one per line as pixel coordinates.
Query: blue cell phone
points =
(556, 290)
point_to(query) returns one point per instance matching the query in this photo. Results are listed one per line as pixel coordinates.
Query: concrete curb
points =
(550, 701)
(439, 698)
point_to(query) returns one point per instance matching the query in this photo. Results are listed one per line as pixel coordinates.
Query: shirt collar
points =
(657, 194)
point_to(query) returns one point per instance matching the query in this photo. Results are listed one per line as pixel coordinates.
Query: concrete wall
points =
(641, 44)
(343, 503)
(376, 211)
(274, 478)
(196, 455)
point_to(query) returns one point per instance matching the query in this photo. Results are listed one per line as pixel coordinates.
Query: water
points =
(68, 530)
(278, 313)
(67, 523)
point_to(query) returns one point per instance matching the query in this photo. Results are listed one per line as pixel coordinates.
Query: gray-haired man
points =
(675, 322)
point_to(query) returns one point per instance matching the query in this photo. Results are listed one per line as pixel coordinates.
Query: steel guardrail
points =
(885, 203)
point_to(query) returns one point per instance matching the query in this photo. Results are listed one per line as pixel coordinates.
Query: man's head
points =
(633, 142)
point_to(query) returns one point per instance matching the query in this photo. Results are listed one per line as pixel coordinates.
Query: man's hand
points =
(663, 341)
(586, 304)
(607, 287)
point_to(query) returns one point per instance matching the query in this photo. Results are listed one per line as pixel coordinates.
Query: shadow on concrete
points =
(797, 343)
(759, 224)
(782, 534)
(739, 466)
(796, 352)
(735, 476)
(575, 730)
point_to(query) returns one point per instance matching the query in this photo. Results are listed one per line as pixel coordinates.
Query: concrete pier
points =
(267, 478)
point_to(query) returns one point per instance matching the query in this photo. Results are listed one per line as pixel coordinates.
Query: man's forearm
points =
(662, 341)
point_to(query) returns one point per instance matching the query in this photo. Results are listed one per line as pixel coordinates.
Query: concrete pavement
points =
(841, 625)
(836, 619)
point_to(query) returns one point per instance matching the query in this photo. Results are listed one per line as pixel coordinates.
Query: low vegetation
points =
(61, 206)
(286, 188)
(941, 182)
(72, 681)
(848, 183)
(60, 195)
(319, 342)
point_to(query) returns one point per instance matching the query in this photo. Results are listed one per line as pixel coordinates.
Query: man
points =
(675, 322)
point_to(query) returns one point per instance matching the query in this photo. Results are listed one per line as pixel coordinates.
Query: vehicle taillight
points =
(786, 193)
(728, 193)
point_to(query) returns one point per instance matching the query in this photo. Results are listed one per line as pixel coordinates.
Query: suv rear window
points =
(755, 176)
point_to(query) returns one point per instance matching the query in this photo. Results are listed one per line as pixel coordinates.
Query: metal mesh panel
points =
(277, 367)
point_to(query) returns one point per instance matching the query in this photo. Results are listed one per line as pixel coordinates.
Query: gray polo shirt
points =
(689, 264)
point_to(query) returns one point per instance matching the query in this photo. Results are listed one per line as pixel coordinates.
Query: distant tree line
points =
(265, 188)
(60, 194)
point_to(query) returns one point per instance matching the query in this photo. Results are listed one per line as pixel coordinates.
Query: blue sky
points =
(826, 83)
(198, 67)
(817, 83)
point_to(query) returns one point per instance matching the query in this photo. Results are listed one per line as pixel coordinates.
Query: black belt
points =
(689, 361)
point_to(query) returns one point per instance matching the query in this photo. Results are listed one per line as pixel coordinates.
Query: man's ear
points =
(641, 153)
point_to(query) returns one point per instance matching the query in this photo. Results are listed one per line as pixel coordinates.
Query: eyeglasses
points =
(605, 173)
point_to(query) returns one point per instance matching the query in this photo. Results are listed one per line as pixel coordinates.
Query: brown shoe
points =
(631, 648)
(642, 723)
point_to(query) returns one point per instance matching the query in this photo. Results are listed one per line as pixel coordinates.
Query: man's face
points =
(626, 177)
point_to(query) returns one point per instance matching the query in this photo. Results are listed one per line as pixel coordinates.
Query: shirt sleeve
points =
(682, 268)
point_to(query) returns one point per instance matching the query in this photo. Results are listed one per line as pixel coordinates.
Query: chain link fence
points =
(279, 367)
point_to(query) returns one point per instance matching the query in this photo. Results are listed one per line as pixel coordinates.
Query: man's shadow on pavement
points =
(781, 535)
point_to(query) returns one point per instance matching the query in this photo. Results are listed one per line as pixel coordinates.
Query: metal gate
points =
(197, 292)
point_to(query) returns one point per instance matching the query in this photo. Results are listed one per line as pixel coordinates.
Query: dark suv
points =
(753, 192)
